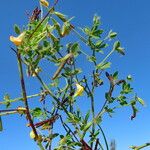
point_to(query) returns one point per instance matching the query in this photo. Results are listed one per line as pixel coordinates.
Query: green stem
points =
(68, 129)
(103, 134)
(20, 99)
(84, 53)
(140, 147)
(93, 115)
(100, 146)
(40, 146)
(102, 109)
(91, 94)
(80, 36)
(108, 55)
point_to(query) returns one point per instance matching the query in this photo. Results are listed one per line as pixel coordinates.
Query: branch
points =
(20, 98)
(25, 95)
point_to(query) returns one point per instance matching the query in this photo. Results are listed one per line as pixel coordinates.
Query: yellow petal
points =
(17, 40)
(32, 135)
(44, 3)
(79, 90)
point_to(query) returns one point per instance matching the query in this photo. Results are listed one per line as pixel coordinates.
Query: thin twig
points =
(20, 98)
(25, 95)
(105, 140)
(92, 106)
(96, 145)
(66, 127)
(140, 147)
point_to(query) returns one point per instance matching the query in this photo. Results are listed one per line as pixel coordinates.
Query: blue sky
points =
(130, 19)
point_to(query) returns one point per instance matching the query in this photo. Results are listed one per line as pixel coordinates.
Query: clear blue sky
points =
(131, 19)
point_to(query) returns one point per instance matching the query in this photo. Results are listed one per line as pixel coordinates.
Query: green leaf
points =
(96, 34)
(1, 125)
(73, 118)
(75, 48)
(76, 71)
(122, 100)
(141, 101)
(129, 78)
(57, 26)
(103, 66)
(87, 126)
(87, 31)
(77, 144)
(115, 75)
(60, 16)
(108, 97)
(109, 110)
(17, 29)
(45, 43)
(66, 28)
(91, 58)
(112, 34)
(87, 116)
(118, 48)
(52, 136)
(99, 43)
(96, 20)
(7, 99)
(116, 45)
(37, 112)
(126, 88)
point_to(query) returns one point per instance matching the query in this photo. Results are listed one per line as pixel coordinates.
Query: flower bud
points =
(44, 3)
(79, 90)
(32, 135)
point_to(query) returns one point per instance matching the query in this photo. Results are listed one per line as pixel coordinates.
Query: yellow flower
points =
(17, 40)
(32, 135)
(44, 3)
(79, 90)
